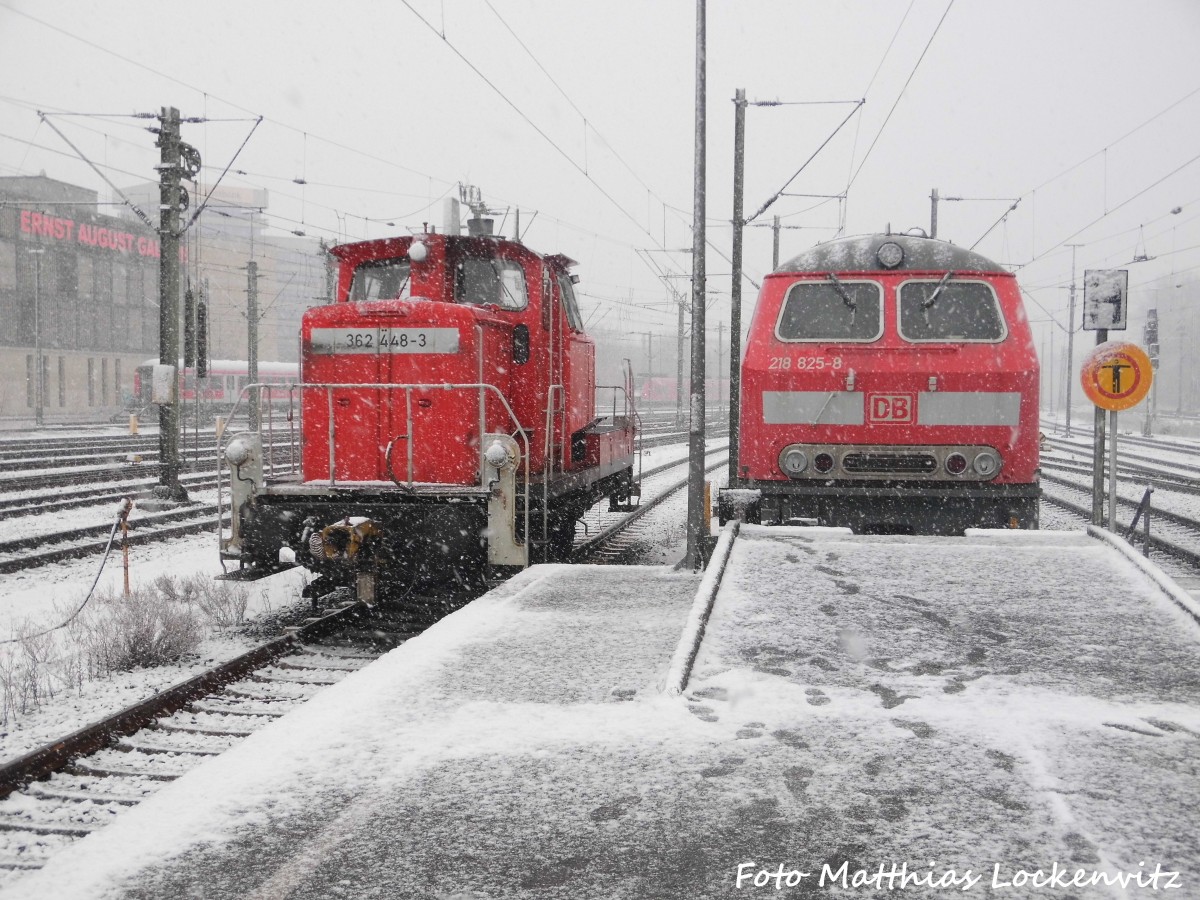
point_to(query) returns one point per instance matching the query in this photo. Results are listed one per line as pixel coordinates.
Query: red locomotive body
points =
(889, 384)
(449, 418)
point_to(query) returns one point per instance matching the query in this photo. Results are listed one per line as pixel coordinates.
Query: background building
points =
(79, 290)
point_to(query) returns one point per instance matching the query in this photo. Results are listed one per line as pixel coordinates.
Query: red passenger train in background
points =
(450, 420)
(216, 391)
(889, 385)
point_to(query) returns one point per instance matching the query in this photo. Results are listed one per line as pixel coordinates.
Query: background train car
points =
(215, 394)
(889, 384)
(449, 420)
(663, 391)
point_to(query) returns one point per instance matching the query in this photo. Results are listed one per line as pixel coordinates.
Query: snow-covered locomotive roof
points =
(857, 254)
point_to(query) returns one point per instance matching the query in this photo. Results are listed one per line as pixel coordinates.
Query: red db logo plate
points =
(892, 408)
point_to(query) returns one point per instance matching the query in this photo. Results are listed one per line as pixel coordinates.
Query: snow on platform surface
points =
(968, 708)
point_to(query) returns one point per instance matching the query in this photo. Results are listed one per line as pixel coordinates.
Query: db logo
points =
(898, 408)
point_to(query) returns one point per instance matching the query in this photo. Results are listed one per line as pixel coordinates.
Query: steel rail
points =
(1191, 557)
(57, 755)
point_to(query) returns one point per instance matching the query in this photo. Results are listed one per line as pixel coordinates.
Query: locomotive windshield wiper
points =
(929, 301)
(843, 293)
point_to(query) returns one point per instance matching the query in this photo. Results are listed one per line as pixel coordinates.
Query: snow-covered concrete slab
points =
(971, 709)
(1011, 699)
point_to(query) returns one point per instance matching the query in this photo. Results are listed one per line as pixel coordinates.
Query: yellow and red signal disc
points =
(1116, 376)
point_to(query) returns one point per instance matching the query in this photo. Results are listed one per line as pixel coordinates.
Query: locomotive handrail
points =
(548, 457)
(630, 410)
(330, 387)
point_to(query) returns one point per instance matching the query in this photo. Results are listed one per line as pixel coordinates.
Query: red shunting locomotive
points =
(889, 385)
(450, 420)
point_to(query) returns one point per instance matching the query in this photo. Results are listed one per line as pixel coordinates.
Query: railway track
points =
(41, 549)
(56, 544)
(72, 787)
(1143, 475)
(45, 452)
(1140, 464)
(1173, 534)
(19, 487)
(75, 785)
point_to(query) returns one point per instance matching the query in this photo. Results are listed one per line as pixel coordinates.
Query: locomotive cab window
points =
(574, 319)
(833, 310)
(950, 311)
(500, 282)
(384, 279)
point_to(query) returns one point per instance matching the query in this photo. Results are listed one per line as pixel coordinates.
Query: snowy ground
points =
(44, 597)
(952, 706)
(644, 769)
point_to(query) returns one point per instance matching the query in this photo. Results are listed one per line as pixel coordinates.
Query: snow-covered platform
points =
(859, 708)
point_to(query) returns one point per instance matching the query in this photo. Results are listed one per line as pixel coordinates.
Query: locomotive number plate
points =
(805, 363)
(384, 340)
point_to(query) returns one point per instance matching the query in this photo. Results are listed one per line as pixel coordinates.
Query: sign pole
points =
(1098, 453)
(1112, 472)
(1115, 376)
(1105, 304)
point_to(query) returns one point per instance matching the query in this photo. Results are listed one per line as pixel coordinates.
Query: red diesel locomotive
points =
(449, 420)
(889, 385)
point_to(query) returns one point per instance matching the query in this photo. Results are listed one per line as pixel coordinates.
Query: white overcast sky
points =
(381, 115)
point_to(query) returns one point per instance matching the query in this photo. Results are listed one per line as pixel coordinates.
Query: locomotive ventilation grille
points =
(897, 463)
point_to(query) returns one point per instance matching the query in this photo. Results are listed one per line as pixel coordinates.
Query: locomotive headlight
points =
(417, 252)
(956, 464)
(237, 451)
(496, 455)
(890, 255)
(823, 462)
(987, 463)
(793, 461)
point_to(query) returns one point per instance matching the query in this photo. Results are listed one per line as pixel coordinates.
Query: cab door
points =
(579, 370)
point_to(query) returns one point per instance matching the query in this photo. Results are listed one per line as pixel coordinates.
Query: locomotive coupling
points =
(344, 540)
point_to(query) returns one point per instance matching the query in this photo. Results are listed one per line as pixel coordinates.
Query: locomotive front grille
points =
(879, 463)
(893, 463)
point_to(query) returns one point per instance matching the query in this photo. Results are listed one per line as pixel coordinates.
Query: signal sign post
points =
(1115, 376)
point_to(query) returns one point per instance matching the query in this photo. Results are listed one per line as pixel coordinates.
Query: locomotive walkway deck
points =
(972, 708)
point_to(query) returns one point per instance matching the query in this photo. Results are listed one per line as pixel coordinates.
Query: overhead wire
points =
(246, 140)
(762, 209)
(1111, 144)
(1033, 191)
(541, 133)
(899, 96)
(1109, 212)
(341, 146)
(352, 149)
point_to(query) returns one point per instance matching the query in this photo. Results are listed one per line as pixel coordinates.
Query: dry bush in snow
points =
(155, 626)
(146, 629)
(224, 603)
(32, 670)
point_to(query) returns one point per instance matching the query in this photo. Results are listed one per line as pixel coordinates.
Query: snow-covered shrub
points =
(223, 603)
(145, 629)
(29, 672)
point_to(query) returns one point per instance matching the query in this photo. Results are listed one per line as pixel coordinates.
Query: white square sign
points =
(1104, 299)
